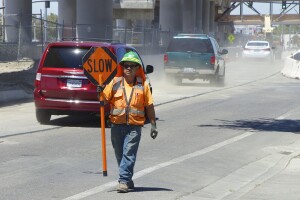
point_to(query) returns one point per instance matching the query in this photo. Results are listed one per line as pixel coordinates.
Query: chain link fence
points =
(145, 40)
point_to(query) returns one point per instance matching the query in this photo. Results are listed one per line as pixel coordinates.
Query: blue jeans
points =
(125, 141)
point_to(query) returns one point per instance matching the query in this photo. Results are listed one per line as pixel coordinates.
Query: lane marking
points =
(148, 170)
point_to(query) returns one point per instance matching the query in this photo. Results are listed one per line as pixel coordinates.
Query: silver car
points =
(258, 50)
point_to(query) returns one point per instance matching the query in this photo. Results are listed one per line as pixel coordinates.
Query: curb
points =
(13, 95)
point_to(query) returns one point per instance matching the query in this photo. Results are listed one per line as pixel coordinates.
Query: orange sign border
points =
(89, 54)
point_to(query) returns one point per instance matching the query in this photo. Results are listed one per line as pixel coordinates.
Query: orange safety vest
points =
(131, 111)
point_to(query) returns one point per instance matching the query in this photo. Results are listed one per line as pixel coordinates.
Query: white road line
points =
(146, 171)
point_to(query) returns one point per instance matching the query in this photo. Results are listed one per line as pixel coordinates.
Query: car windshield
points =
(190, 44)
(65, 57)
(258, 44)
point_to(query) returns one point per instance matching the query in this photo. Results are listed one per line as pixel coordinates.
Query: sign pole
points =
(103, 138)
(100, 67)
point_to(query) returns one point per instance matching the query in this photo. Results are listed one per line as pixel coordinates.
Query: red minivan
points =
(61, 88)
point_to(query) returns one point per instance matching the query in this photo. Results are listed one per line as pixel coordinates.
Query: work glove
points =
(100, 88)
(153, 132)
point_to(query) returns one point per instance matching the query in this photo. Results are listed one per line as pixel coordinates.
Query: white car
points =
(258, 50)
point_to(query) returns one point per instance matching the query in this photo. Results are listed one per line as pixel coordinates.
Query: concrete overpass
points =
(283, 17)
(96, 19)
(93, 17)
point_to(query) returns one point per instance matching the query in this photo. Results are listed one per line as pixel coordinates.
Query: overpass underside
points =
(284, 17)
(134, 10)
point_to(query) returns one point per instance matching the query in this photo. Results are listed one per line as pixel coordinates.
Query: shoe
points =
(122, 188)
(130, 185)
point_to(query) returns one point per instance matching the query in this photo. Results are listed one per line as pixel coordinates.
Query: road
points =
(213, 142)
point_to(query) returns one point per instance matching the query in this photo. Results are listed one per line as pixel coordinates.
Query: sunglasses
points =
(131, 66)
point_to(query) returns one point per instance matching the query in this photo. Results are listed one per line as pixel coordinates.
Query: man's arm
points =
(151, 116)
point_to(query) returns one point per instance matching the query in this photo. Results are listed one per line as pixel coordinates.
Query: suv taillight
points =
(37, 81)
(212, 60)
(166, 58)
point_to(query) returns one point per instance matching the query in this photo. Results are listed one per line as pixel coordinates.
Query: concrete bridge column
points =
(94, 18)
(199, 18)
(188, 16)
(206, 16)
(170, 17)
(67, 17)
(17, 16)
(212, 23)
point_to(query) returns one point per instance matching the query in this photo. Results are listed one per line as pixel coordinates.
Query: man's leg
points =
(117, 139)
(130, 148)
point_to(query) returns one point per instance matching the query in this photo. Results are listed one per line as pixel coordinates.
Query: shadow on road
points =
(81, 120)
(149, 189)
(144, 189)
(280, 125)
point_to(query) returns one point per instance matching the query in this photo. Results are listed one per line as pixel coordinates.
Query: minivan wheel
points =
(42, 116)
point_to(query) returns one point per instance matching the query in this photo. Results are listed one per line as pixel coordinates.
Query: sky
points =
(36, 7)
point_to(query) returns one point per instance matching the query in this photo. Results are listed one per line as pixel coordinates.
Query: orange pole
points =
(102, 121)
(103, 135)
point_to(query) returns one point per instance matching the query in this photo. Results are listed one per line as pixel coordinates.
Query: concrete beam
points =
(133, 14)
(137, 4)
(249, 18)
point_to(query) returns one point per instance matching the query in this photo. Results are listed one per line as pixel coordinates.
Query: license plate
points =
(188, 70)
(74, 83)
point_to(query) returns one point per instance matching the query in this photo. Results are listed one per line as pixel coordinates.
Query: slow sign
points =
(100, 65)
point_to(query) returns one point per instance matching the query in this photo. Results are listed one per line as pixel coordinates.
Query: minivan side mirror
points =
(149, 69)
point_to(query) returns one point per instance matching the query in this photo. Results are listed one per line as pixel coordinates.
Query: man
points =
(129, 96)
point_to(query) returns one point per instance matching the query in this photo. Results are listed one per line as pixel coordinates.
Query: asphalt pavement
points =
(281, 181)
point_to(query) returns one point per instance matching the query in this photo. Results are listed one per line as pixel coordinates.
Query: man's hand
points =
(153, 132)
(100, 88)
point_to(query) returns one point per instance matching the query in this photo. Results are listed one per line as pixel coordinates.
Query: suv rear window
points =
(65, 57)
(260, 44)
(190, 44)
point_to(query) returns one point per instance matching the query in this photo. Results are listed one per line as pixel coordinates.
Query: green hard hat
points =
(131, 56)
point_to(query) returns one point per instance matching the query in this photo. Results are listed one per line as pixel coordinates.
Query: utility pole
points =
(47, 5)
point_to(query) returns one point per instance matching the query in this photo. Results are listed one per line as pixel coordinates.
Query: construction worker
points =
(131, 101)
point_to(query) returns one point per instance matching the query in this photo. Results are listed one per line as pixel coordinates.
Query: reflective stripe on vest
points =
(116, 111)
(127, 112)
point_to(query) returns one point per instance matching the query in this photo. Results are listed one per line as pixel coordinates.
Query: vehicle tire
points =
(177, 81)
(42, 116)
(217, 81)
(173, 79)
(107, 122)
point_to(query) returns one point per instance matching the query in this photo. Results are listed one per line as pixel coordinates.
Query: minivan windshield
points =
(190, 44)
(65, 57)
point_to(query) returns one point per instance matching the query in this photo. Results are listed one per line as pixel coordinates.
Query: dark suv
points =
(61, 88)
(194, 56)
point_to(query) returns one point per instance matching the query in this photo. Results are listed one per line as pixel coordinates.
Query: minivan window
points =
(65, 57)
(190, 44)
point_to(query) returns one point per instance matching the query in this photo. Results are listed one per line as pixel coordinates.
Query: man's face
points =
(130, 68)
